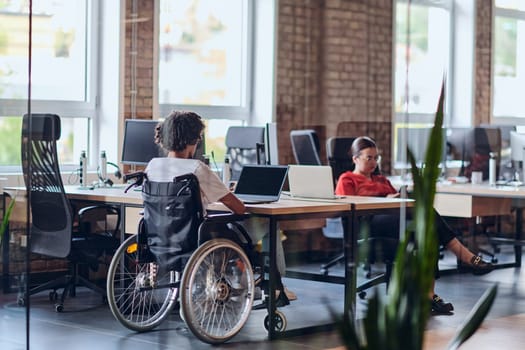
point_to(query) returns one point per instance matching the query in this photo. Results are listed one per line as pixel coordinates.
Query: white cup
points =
(477, 177)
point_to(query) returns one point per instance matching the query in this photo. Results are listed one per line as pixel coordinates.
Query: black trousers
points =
(387, 226)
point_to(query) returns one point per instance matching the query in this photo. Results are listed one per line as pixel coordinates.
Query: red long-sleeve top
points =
(351, 184)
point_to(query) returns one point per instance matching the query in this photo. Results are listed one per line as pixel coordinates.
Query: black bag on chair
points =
(172, 215)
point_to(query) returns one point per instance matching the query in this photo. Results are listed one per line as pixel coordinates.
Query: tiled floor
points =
(87, 323)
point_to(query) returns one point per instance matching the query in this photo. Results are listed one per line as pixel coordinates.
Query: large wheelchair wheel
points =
(217, 291)
(138, 296)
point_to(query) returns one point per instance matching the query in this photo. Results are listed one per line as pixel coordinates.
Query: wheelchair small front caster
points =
(280, 321)
(59, 307)
(362, 295)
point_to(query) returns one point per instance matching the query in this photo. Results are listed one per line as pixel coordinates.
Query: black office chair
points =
(371, 250)
(337, 149)
(244, 145)
(55, 232)
(337, 154)
(305, 147)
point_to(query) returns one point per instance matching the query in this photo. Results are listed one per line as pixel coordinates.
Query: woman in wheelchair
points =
(179, 135)
(363, 181)
(214, 253)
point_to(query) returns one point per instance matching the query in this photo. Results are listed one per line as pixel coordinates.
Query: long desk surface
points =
(473, 200)
(349, 208)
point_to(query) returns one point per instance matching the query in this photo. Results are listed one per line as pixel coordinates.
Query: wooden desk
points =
(129, 203)
(349, 208)
(470, 201)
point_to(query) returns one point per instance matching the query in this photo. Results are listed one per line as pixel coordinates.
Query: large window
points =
(206, 43)
(62, 80)
(422, 56)
(422, 44)
(509, 58)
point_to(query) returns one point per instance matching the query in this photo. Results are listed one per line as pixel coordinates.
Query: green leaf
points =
(5, 220)
(475, 318)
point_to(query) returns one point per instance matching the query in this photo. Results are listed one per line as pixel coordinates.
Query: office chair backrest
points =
(473, 147)
(486, 141)
(52, 219)
(172, 215)
(337, 149)
(305, 147)
(244, 145)
(506, 168)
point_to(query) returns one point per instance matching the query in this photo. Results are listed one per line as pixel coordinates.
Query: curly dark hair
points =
(179, 130)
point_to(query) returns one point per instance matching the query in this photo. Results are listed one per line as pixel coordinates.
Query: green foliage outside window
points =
(10, 134)
(418, 30)
(505, 52)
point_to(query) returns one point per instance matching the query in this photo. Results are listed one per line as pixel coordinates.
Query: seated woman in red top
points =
(363, 181)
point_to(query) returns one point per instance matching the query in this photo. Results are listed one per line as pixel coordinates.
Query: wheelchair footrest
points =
(282, 300)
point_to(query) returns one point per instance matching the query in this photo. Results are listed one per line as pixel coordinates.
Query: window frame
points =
(64, 108)
(244, 112)
(418, 119)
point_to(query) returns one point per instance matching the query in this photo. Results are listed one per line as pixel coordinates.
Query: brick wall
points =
(483, 78)
(333, 65)
(144, 66)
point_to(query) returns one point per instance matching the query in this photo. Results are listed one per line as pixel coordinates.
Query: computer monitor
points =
(139, 145)
(517, 146)
(305, 147)
(270, 144)
(416, 139)
(200, 151)
(459, 143)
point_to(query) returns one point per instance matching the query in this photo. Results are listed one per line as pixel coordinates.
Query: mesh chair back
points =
(50, 209)
(172, 215)
(242, 147)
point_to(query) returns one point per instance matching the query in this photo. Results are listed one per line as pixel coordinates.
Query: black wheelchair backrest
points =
(172, 215)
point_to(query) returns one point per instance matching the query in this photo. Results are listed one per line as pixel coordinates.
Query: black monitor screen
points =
(200, 150)
(305, 147)
(139, 142)
(270, 142)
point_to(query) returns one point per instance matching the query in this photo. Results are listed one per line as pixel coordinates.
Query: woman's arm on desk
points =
(233, 203)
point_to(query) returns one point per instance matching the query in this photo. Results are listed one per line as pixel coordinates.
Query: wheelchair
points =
(204, 264)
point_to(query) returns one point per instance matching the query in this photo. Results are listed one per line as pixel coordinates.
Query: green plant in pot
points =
(398, 320)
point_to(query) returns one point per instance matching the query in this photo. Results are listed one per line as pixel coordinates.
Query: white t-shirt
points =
(165, 169)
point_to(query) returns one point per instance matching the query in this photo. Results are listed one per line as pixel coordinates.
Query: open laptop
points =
(311, 181)
(260, 183)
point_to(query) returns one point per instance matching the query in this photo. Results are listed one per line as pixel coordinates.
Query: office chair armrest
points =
(108, 209)
(222, 217)
(226, 222)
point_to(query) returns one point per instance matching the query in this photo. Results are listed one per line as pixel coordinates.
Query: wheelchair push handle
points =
(137, 177)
